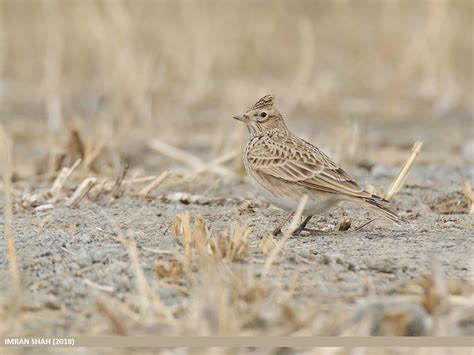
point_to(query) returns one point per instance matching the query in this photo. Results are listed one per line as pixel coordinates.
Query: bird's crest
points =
(264, 102)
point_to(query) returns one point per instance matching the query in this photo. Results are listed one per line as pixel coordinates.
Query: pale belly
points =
(316, 204)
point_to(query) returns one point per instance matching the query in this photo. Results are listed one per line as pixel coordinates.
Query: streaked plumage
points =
(284, 167)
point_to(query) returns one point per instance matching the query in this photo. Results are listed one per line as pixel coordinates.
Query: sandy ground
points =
(69, 256)
(78, 278)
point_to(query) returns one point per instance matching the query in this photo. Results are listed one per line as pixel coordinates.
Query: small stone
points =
(83, 260)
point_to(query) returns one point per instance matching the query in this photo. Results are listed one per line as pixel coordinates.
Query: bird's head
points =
(263, 117)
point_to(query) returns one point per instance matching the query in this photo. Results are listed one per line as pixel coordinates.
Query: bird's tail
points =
(377, 202)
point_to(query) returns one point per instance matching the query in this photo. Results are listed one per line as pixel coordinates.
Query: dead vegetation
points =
(121, 110)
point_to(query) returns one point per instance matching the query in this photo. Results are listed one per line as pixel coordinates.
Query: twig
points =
(91, 153)
(81, 192)
(187, 158)
(98, 287)
(61, 180)
(402, 175)
(218, 161)
(149, 300)
(110, 312)
(469, 195)
(291, 228)
(365, 224)
(123, 171)
(154, 184)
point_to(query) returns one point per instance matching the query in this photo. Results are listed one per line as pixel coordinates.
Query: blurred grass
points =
(171, 67)
(125, 71)
(147, 54)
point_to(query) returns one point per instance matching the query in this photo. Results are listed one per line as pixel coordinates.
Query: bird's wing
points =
(296, 161)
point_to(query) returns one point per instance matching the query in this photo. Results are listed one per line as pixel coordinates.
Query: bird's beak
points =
(242, 118)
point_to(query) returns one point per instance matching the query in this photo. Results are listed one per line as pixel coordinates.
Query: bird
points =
(284, 167)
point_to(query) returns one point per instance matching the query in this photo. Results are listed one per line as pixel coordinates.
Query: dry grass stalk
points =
(219, 161)
(139, 180)
(34, 200)
(151, 305)
(198, 241)
(106, 307)
(8, 235)
(291, 228)
(98, 287)
(402, 175)
(436, 297)
(61, 180)
(172, 269)
(345, 225)
(118, 182)
(46, 206)
(81, 192)
(155, 183)
(91, 153)
(469, 195)
(201, 235)
(266, 243)
(182, 227)
(187, 158)
(75, 148)
(234, 247)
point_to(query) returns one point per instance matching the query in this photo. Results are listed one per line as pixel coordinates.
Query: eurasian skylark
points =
(284, 167)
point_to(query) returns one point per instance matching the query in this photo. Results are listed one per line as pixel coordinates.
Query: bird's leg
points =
(302, 226)
(277, 230)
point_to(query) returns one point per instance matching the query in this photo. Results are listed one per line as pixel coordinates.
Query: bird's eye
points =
(263, 114)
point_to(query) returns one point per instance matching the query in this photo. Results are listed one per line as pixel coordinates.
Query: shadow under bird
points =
(284, 168)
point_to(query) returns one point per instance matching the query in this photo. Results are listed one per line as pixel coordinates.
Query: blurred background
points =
(157, 83)
(354, 77)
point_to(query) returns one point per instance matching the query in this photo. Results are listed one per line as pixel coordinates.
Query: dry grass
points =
(402, 175)
(469, 195)
(11, 322)
(291, 228)
(122, 68)
(84, 84)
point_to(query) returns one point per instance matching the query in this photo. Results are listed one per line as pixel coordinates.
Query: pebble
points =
(83, 260)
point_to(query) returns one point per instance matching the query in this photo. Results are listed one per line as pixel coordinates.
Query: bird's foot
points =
(278, 229)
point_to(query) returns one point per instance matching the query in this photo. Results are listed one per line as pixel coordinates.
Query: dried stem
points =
(291, 228)
(61, 180)
(81, 192)
(187, 158)
(469, 195)
(154, 184)
(402, 175)
(6, 159)
(123, 171)
(150, 300)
